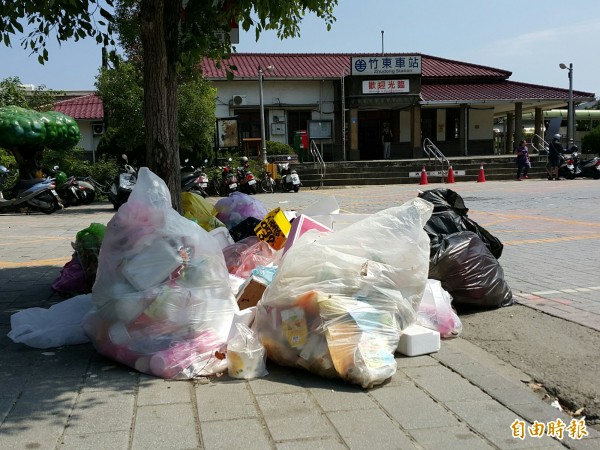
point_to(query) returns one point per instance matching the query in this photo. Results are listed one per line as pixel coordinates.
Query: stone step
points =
(500, 167)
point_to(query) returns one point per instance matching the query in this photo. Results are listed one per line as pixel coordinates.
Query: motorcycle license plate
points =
(203, 185)
(232, 185)
(251, 182)
(295, 179)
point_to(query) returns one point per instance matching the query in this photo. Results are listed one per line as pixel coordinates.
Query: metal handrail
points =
(316, 153)
(542, 146)
(432, 151)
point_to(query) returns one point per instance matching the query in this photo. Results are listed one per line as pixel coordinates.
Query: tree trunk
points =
(159, 24)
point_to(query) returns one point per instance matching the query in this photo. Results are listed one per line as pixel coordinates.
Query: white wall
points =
(404, 126)
(481, 124)
(276, 94)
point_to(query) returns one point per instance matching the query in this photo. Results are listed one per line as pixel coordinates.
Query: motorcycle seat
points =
(26, 184)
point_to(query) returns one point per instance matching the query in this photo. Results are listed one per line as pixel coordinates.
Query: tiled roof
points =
(503, 90)
(85, 107)
(333, 65)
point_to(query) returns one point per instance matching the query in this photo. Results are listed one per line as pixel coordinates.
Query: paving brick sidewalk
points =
(71, 397)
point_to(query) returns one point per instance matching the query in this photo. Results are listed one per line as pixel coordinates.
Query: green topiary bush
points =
(277, 148)
(591, 141)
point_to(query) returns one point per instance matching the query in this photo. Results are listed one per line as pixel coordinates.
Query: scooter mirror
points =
(55, 167)
(229, 159)
(124, 156)
(186, 160)
(206, 161)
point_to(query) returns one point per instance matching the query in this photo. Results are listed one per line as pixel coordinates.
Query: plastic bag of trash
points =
(199, 210)
(435, 311)
(72, 279)
(469, 271)
(450, 216)
(87, 245)
(162, 299)
(53, 327)
(237, 207)
(246, 356)
(245, 255)
(339, 301)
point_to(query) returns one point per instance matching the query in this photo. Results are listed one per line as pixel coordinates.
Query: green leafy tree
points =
(591, 141)
(122, 93)
(196, 100)
(172, 34)
(12, 93)
(121, 90)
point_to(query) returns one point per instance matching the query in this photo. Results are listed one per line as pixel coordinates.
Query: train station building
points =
(343, 101)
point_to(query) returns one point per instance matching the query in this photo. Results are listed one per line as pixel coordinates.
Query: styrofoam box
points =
(417, 340)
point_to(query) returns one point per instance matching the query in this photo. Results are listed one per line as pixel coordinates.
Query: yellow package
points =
(274, 229)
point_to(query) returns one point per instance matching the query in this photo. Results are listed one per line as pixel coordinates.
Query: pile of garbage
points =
(224, 287)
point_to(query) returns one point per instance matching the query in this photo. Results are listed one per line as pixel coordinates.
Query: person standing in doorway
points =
(386, 140)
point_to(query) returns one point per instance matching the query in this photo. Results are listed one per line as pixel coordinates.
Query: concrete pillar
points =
(510, 131)
(354, 154)
(538, 121)
(518, 122)
(415, 135)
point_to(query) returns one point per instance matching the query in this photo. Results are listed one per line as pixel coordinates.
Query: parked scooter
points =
(194, 180)
(229, 181)
(87, 191)
(585, 169)
(38, 193)
(566, 167)
(289, 177)
(122, 185)
(246, 177)
(67, 188)
(92, 188)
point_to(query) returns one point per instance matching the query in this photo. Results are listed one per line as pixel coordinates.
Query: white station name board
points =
(384, 86)
(386, 65)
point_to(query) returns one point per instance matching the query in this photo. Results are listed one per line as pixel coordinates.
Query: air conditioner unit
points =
(238, 100)
(97, 128)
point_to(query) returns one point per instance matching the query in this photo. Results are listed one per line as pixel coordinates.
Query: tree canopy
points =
(122, 92)
(172, 33)
(12, 93)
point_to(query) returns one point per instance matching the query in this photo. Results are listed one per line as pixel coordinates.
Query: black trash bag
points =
(450, 216)
(244, 229)
(469, 272)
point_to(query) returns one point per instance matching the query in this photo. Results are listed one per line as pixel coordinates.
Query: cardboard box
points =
(301, 225)
(274, 229)
(250, 293)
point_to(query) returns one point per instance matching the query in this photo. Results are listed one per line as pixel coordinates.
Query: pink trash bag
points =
(247, 254)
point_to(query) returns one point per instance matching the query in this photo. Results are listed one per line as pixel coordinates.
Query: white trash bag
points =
(53, 327)
(162, 299)
(339, 300)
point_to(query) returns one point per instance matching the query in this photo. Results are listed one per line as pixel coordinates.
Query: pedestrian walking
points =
(523, 163)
